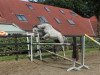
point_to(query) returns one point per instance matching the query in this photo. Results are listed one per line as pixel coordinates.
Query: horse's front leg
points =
(61, 39)
(45, 36)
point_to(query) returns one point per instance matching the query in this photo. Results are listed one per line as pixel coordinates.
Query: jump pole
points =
(93, 39)
(68, 44)
(61, 56)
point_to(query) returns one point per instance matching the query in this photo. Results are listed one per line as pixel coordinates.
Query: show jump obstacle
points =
(82, 64)
(74, 67)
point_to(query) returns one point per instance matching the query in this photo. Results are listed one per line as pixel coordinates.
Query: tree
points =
(84, 8)
(97, 13)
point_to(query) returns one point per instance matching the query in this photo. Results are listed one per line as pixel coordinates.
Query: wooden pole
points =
(16, 45)
(75, 50)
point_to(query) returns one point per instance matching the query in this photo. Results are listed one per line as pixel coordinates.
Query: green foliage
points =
(7, 48)
(12, 57)
(85, 8)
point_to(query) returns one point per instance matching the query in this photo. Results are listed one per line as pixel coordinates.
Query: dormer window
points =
(57, 20)
(42, 19)
(71, 22)
(62, 11)
(29, 6)
(21, 17)
(47, 9)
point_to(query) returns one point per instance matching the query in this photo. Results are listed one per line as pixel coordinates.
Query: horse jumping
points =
(51, 33)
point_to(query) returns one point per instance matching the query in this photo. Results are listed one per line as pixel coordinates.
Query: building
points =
(28, 14)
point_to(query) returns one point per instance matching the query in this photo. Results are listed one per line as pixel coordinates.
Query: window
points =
(42, 19)
(47, 9)
(21, 17)
(73, 13)
(57, 20)
(29, 6)
(62, 11)
(71, 22)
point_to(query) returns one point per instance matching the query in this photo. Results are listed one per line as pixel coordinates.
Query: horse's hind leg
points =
(61, 40)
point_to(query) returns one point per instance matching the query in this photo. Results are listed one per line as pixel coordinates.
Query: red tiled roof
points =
(2, 20)
(10, 8)
(93, 19)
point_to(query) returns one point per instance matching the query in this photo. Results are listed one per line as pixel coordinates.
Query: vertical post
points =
(83, 50)
(83, 53)
(99, 41)
(16, 45)
(31, 48)
(75, 51)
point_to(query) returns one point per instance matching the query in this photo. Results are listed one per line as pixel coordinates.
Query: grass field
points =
(45, 54)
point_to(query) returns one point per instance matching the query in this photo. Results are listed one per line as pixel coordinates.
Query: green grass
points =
(45, 54)
(12, 57)
(91, 50)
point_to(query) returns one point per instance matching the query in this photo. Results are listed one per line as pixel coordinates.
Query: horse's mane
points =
(53, 27)
(48, 24)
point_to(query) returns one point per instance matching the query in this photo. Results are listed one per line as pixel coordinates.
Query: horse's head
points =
(42, 26)
(35, 30)
(40, 31)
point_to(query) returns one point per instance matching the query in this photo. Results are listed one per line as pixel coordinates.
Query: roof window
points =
(57, 20)
(47, 9)
(42, 19)
(29, 6)
(71, 22)
(21, 17)
(62, 11)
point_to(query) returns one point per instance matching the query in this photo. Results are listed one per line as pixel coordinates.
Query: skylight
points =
(21, 17)
(29, 6)
(57, 20)
(47, 9)
(62, 11)
(71, 22)
(42, 19)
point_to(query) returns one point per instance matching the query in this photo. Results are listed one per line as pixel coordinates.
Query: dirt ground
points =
(49, 67)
